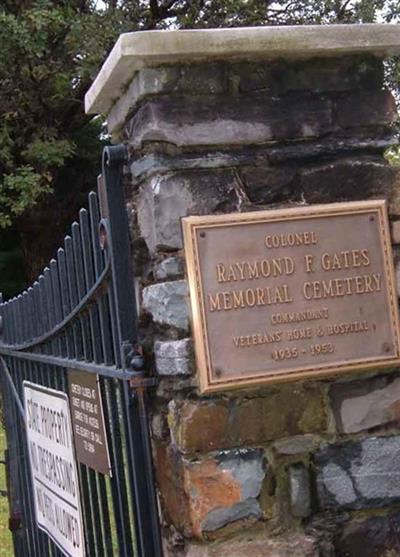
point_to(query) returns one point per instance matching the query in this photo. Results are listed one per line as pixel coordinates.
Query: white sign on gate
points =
(53, 466)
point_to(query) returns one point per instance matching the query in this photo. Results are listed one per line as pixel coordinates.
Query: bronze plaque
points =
(88, 421)
(290, 294)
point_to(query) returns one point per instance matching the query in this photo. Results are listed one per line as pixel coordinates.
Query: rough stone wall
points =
(302, 469)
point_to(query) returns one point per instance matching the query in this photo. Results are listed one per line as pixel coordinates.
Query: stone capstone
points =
(359, 474)
(173, 357)
(167, 303)
(134, 51)
(362, 405)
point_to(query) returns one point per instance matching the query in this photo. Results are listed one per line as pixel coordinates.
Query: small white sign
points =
(53, 466)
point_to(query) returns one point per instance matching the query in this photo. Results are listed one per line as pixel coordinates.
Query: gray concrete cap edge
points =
(134, 51)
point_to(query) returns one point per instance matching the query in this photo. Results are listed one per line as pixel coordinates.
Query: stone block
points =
(225, 489)
(147, 81)
(290, 410)
(170, 473)
(395, 232)
(318, 75)
(178, 385)
(211, 493)
(202, 79)
(366, 108)
(206, 79)
(375, 537)
(270, 163)
(268, 184)
(394, 199)
(346, 179)
(169, 268)
(212, 425)
(159, 427)
(340, 179)
(397, 276)
(164, 199)
(167, 303)
(299, 444)
(300, 490)
(174, 357)
(234, 120)
(365, 404)
(258, 545)
(328, 150)
(200, 426)
(359, 474)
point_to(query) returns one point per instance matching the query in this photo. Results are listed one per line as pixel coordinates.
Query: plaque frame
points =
(192, 224)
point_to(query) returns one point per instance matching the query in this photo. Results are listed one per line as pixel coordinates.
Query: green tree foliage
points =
(49, 149)
(50, 52)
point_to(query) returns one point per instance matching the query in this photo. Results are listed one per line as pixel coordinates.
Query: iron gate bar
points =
(82, 307)
(80, 365)
(14, 391)
(81, 314)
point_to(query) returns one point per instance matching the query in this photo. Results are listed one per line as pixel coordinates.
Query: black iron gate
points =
(81, 315)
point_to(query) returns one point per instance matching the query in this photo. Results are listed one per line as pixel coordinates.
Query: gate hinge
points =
(133, 357)
(135, 365)
(142, 382)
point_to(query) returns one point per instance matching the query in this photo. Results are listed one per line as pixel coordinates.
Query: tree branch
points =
(340, 12)
(165, 6)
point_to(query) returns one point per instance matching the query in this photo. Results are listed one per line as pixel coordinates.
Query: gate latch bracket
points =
(141, 382)
(135, 364)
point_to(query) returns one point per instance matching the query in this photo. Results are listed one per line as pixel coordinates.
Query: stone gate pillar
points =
(235, 120)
